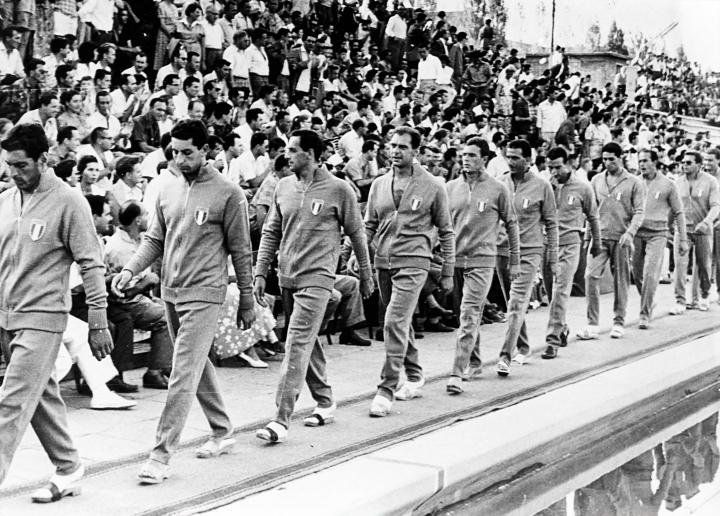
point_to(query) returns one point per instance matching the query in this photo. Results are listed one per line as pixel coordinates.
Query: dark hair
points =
(32, 64)
(101, 74)
(129, 212)
(189, 81)
(169, 79)
(480, 143)
(652, 153)
(558, 152)
(162, 98)
(252, 114)
(192, 54)
(222, 109)
(193, 130)
(29, 138)
(713, 150)
(64, 169)
(66, 97)
(63, 71)
(230, 140)
(412, 133)
(57, 44)
(357, 124)
(95, 134)
(276, 144)
(369, 146)
(65, 133)
(309, 140)
(257, 139)
(85, 161)
(524, 147)
(192, 8)
(613, 148)
(214, 141)
(97, 204)
(125, 165)
(46, 98)
(266, 89)
(696, 155)
(280, 162)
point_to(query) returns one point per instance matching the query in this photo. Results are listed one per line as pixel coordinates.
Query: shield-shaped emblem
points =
(415, 203)
(618, 195)
(571, 200)
(201, 216)
(657, 195)
(526, 203)
(37, 229)
(316, 206)
(481, 206)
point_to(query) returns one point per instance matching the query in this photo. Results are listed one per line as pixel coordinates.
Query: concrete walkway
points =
(114, 443)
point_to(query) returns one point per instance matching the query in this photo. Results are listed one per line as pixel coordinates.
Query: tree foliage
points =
(592, 41)
(616, 40)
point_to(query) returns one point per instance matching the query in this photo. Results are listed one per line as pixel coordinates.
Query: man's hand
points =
(702, 228)
(684, 248)
(151, 279)
(100, 342)
(259, 290)
(446, 283)
(367, 287)
(514, 272)
(245, 318)
(626, 240)
(553, 267)
(596, 250)
(352, 264)
(119, 283)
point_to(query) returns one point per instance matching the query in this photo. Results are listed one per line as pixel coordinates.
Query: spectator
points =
(45, 116)
(146, 131)
(67, 145)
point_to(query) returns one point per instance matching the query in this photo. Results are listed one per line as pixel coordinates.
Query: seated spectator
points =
(89, 171)
(351, 144)
(190, 91)
(265, 101)
(146, 132)
(26, 92)
(252, 125)
(64, 78)
(170, 89)
(253, 164)
(145, 313)
(346, 297)
(45, 116)
(232, 148)
(73, 113)
(67, 145)
(100, 147)
(127, 187)
(282, 127)
(196, 110)
(220, 123)
(263, 199)
(126, 103)
(362, 170)
(67, 171)
(10, 59)
(103, 118)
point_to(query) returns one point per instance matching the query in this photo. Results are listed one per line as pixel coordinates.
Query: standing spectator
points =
(270, 20)
(97, 17)
(226, 23)
(194, 295)
(487, 35)
(189, 31)
(235, 55)
(396, 37)
(429, 70)
(167, 18)
(257, 60)
(351, 143)
(621, 202)
(551, 114)
(73, 114)
(146, 131)
(65, 17)
(243, 19)
(406, 196)
(457, 60)
(68, 143)
(213, 38)
(56, 229)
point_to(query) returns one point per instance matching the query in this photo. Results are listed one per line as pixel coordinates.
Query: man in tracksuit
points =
(478, 205)
(711, 165)
(661, 198)
(621, 202)
(310, 208)
(534, 205)
(45, 226)
(200, 219)
(701, 200)
(406, 209)
(575, 202)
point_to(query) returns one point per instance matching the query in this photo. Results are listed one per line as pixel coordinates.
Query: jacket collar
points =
(207, 172)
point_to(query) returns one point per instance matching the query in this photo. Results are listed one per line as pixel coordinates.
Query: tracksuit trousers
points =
(702, 249)
(619, 258)
(192, 327)
(567, 264)
(304, 356)
(517, 294)
(647, 262)
(474, 284)
(400, 291)
(30, 394)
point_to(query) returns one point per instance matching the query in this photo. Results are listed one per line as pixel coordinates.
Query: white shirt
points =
(168, 70)
(119, 102)
(396, 28)
(98, 12)
(213, 35)
(429, 68)
(10, 62)
(257, 60)
(181, 105)
(249, 166)
(238, 61)
(245, 134)
(111, 123)
(50, 127)
(123, 193)
(152, 192)
(550, 116)
(350, 145)
(240, 22)
(498, 166)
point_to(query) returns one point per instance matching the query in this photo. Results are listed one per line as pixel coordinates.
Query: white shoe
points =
(214, 449)
(590, 332)
(255, 363)
(321, 416)
(472, 372)
(521, 358)
(678, 309)
(644, 323)
(111, 401)
(617, 332)
(410, 390)
(273, 433)
(59, 487)
(380, 406)
(703, 305)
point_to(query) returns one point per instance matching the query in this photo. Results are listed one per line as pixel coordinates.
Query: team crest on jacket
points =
(415, 203)
(316, 206)
(37, 229)
(201, 216)
(571, 200)
(481, 206)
